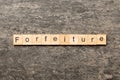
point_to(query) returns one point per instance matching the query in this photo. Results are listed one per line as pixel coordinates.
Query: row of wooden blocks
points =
(59, 39)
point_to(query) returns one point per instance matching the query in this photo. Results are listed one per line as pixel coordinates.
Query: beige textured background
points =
(60, 62)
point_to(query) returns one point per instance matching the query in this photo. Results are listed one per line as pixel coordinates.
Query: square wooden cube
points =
(28, 39)
(101, 39)
(37, 39)
(82, 39)
(46, 39)
(64, 39)
(91, 39)
(54, 39)
(73, 39)
(17, 39)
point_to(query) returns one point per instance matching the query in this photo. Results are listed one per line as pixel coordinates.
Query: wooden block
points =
(91, 39)
(37, 39)
(27, 39)
(64, 39)
(82, 40)
(46, 39)
(73, 39)
(101, 39)
(59, 39)
(17, 39)
(54, 39)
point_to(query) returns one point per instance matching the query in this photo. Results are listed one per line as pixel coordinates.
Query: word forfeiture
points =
(59, 39)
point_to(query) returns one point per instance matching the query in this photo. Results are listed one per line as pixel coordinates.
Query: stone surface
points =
(60, 62)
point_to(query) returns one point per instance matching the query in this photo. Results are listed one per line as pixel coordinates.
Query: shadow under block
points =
(59, 39)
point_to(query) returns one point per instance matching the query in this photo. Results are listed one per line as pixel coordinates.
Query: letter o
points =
(27, 39)
(55, 38)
